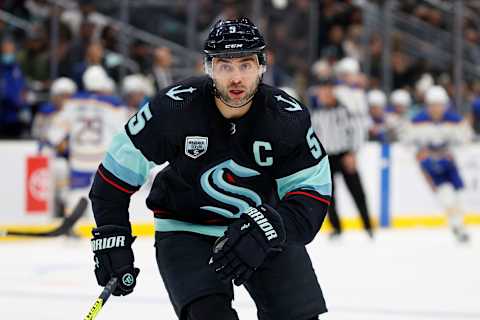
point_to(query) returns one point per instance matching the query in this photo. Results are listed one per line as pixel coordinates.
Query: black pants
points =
(283, 288)
(354, 185)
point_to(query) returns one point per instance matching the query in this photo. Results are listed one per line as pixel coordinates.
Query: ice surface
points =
(402, 274)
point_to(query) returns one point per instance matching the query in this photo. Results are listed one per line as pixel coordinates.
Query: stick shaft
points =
(62, 229)
(102, 299)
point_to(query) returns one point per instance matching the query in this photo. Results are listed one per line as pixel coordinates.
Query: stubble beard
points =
(222, 93)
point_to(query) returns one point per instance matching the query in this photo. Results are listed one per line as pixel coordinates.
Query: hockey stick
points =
(62, 229)
(102, 299)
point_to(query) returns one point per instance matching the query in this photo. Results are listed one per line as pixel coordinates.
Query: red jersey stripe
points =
(303, 193)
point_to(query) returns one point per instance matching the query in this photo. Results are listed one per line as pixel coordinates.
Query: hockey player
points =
(136, 89)
(248, 186)
(434, 131)
(88, 121)
(62, 90)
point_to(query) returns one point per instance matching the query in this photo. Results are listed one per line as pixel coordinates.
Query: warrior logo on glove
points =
(247, 242)
(262, 222)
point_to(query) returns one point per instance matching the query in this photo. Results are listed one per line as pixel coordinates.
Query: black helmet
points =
(234, 38)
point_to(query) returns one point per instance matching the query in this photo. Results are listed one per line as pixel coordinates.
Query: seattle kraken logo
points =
(216, 173)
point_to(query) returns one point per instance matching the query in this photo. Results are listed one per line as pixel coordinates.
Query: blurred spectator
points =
(275, 75)
(472, 51)
(93, 56)
(434, 131)
(85, 14)
(136, 90)
(352, 45)
(14, 113)
(140, 52)
(474, 116)
(298, 38)
(334, 51)
(161, 73)
(82, 41)
(375, 49)
(402, 73)
(278, 36)
(33, 58)
(112, 59)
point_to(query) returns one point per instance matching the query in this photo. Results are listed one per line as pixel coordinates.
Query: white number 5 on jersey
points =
(138, 121)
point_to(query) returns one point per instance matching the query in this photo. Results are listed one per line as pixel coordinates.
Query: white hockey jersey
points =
(450, 131)
(89, 122)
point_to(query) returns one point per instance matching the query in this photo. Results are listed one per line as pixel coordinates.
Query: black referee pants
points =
(354, 185)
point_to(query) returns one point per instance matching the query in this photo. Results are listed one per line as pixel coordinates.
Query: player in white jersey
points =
(60, 91)
(434, 131)
(88, 121)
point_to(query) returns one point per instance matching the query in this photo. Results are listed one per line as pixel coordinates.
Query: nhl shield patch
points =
(195, 146)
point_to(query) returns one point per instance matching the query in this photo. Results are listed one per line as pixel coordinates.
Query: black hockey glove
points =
(247, 242)
(112, 247)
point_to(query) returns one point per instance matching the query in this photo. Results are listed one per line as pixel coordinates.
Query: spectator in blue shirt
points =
(474, 116)
(14, 114)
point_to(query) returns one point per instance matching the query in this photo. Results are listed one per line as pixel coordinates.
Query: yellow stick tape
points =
(92, 314)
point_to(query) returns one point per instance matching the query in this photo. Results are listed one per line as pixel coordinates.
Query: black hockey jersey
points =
(218, 167)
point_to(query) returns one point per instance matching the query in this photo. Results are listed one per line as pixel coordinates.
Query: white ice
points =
(410, 274)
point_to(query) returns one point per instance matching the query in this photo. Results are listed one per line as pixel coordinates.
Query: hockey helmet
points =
(436, 95)
(376, 98)
(401, 97)
(63, 86)
(232, 39)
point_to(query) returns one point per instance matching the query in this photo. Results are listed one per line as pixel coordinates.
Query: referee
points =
(339, 116)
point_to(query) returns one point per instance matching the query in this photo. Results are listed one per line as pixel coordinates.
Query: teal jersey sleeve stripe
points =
(165, 225)
(126, 162)
(317, 178)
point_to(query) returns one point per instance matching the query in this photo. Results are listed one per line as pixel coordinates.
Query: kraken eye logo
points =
(216, 173)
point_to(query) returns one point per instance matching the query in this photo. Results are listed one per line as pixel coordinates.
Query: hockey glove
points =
(113, 255)
(246, 243)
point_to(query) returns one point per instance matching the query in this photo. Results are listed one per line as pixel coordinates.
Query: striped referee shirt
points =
(342, 128)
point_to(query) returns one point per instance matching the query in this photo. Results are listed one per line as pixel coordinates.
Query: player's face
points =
(436, 110)
(236, 79)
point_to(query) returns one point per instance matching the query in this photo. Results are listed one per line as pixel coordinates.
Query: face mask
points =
(8, 58)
